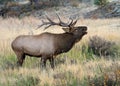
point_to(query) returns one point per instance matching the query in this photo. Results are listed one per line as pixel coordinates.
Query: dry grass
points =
(63, 73)
(60, 75)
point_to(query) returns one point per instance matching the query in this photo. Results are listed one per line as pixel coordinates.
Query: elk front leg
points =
(21, 58)
(52, 62)
(43, 62)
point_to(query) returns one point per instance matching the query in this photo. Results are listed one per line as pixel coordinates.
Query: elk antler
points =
(72, 24)
(60, 23)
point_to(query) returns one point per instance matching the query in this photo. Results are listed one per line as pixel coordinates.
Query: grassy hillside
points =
(75, 68)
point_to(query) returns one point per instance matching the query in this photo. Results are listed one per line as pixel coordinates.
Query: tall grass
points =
(78, 67)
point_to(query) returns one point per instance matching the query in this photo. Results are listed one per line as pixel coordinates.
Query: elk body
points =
(48, 45)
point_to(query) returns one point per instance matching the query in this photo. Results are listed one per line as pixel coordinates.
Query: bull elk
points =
(48, 45)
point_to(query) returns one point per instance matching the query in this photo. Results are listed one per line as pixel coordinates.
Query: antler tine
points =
(47, 27)
(58, 17)
(50, 23)
(61, 23)
(43, 23)
(71, 22)
(49, 19)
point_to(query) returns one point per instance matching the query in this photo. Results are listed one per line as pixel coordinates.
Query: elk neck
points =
(64, 42)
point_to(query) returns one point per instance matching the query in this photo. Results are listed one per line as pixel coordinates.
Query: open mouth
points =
(85, 30)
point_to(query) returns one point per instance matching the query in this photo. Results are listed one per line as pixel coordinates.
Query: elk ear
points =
(67, 29)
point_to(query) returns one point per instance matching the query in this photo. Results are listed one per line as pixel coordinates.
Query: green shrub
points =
(102, 47)
(104, 80)
(27, 81)
(100, 2)
(4, 1)
(7, 62)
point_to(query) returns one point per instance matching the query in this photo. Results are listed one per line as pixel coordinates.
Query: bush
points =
(101, 47)
(4, 1)
(106, 78)
(27, 81)
(100, 2)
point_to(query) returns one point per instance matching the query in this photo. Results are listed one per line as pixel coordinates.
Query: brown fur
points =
(46, 45)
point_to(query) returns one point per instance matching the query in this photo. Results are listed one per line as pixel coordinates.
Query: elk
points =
(48, 45)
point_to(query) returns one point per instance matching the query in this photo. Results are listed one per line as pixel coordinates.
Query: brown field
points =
(83, 73)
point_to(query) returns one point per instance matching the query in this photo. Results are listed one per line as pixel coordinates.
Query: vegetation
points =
(101, 2)
(4, 1)
(75, 68)
(101, 47)
(10, 8)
